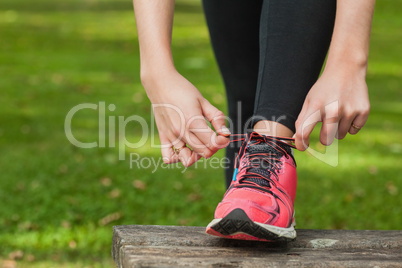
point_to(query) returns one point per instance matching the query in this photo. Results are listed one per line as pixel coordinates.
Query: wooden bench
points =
(177, 246)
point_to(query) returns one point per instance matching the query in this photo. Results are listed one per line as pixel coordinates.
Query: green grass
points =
(59, 202)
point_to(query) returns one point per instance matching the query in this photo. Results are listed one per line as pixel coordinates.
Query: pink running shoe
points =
(258, 205)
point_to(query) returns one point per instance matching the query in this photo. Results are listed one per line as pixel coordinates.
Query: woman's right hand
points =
(180, 112)
(178, 106)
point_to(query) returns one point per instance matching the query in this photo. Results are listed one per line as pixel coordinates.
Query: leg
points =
(294, 39)
(259, 204)
(234, 30)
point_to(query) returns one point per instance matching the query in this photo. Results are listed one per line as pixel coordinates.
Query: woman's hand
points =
(339, 99)
(180, 111)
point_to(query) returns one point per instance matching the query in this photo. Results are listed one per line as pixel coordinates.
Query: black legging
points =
(270, 53)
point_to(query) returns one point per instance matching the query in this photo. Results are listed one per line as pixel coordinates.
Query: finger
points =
(168, 154)
(198, 146)
(304, 128)
(184, 153)
(344, 126)
(188, 157)
(328, 131)
(302, 113)
(298, 125)
(354, 129)
(216, 117)
(330, 122)
(208, 138)
(194, 142)
(218, 142)
(359, 121)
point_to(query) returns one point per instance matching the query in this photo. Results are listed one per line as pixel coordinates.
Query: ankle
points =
(272, 128)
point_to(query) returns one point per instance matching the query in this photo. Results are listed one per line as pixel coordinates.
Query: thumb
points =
(298, 136)
(216, 117)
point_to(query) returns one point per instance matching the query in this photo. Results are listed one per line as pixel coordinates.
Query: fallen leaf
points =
(114, 193)
(106, 182)
(139, 184)
(15, 255)
(9, 264)
(109, 218)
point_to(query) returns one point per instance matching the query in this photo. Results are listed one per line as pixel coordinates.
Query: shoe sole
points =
(237, 225)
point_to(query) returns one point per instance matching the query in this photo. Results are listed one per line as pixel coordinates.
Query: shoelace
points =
(261, 158)
(242, 137)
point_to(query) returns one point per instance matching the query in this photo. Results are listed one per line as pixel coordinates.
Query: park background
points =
(58, 203)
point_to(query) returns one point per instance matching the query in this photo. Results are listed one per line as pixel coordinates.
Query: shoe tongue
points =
(262, 171)
(259, 145)
(260, 182)
(258, 148)
(261, 148)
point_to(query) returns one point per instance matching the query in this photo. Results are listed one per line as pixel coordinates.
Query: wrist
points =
(154, 72)
(348, 60)
(348, 63)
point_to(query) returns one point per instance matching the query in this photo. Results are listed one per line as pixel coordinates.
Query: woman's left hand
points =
(339, 99)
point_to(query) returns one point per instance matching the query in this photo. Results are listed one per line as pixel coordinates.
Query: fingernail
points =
(225, 130)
